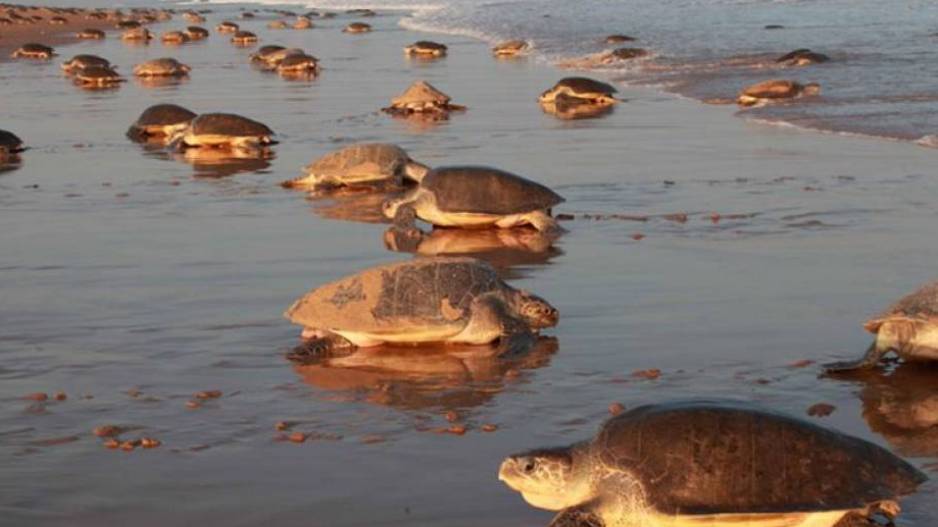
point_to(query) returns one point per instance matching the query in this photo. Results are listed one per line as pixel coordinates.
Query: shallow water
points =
(131, 277)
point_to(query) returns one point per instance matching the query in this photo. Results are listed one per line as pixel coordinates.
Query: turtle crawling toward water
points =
(196, 33)
(510, 48)
(162, 67)
(90, 34)
(584, 89)
(298, 63)
(369, 165)
(160, 121)
(223, 130)
(774, 91)
(243, 38)
(175, 37)
(712, 463)
(33, 51)
(97, 77)
(357, 27)
(476, 197)
(426, 300)
(137, 34)
(908, 328)
(80, 62)
(802, 57)
(422, 98)
(425, 49)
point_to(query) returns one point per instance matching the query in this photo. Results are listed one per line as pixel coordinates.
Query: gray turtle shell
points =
(428, 44)
(33, 47)
(84, 61)
(387, 159)
(228, 124)
(586, 85)
(263, 51)
(10, 142)
(707, 457)
(165, 114)
(297, 60)
(486, 190)
(923, 303)
(98, 72)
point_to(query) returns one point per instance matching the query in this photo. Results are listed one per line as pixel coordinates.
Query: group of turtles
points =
(695, 462)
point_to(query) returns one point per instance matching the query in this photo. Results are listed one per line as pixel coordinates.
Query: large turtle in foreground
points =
(360, 165)
(427, 300)
(712, 463)
(223, 130)
(477, 197)
(909, 328)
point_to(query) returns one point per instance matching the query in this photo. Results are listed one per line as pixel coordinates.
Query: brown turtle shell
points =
(228, 124)
(164, 114)
(773, 89)
(921, 304)
(486, 190)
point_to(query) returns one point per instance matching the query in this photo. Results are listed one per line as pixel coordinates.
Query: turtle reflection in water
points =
(218, 163)
(712, 463)
(903, 408)
(428, 300)
(426, 377)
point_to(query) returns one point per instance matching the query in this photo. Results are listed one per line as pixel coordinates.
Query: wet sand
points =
(138, 279)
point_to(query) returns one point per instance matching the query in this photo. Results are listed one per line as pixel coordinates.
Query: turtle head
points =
(535, 311)
(547, 478)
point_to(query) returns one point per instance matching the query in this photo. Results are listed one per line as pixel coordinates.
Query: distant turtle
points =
(618, 39)
(510, 48)
(223, 130)
(161, 121)
(227, 27)
(421, 97)
(629, 53)
(277, 24)
(302, 23)
(10, 144)
(477, 197)
(243, 37)
(802, 57)
(357, 27)
(299, 63)
(137, 34)
(451, 300)
(265, 51)
(193, 18)
(33, 51)
(79, 62)
(425, 48)
(175, 37)
(162, 67)
(197, 33)
(90, 34)
(97, 77)
(587, 90)
(712, 463)
(128, 24)
(272, 58)
(908, 328)
(775, 90)
(360, 165)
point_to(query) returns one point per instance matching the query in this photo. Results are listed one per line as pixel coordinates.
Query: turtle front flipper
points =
(577, 517)
(318, 348)
(868, 361)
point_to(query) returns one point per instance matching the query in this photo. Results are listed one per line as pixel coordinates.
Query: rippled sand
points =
(721, 252)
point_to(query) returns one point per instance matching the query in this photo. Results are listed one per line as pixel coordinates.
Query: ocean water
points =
(880, 80)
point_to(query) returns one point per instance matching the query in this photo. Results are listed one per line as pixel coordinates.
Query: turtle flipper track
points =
(868, 361)
(577, 517)
(317, 349)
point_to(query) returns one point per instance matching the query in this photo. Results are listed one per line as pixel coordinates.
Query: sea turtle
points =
(162, 67)
(908, 328)
(571, 108)
(587, 90)
(618, 39)
(298, 63)
(360, 165)
(357, 27)
(91, 34)
(193, 18)
(10, 144)
(243, 37)
(175, 37)
(97, 77)
(223, 130)
(266, 51)
(425, 48)
(451, 300)
(161, 121)
(302, 23)
(421, 97)
(128, 24)
(712, 463)
(277, 24)
(33, 50)
(510, 48)
(227, 27)
(775, 90)
(80, 62)
(196, 33)
(137, 34)
(477, 197)
(802, 57)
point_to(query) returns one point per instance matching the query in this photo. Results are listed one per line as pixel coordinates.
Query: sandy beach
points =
(742, 256)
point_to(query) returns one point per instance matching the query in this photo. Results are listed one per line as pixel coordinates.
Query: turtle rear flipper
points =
(577, 517)
(868, 361)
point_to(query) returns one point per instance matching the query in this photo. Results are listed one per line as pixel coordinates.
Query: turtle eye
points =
(528, 466)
